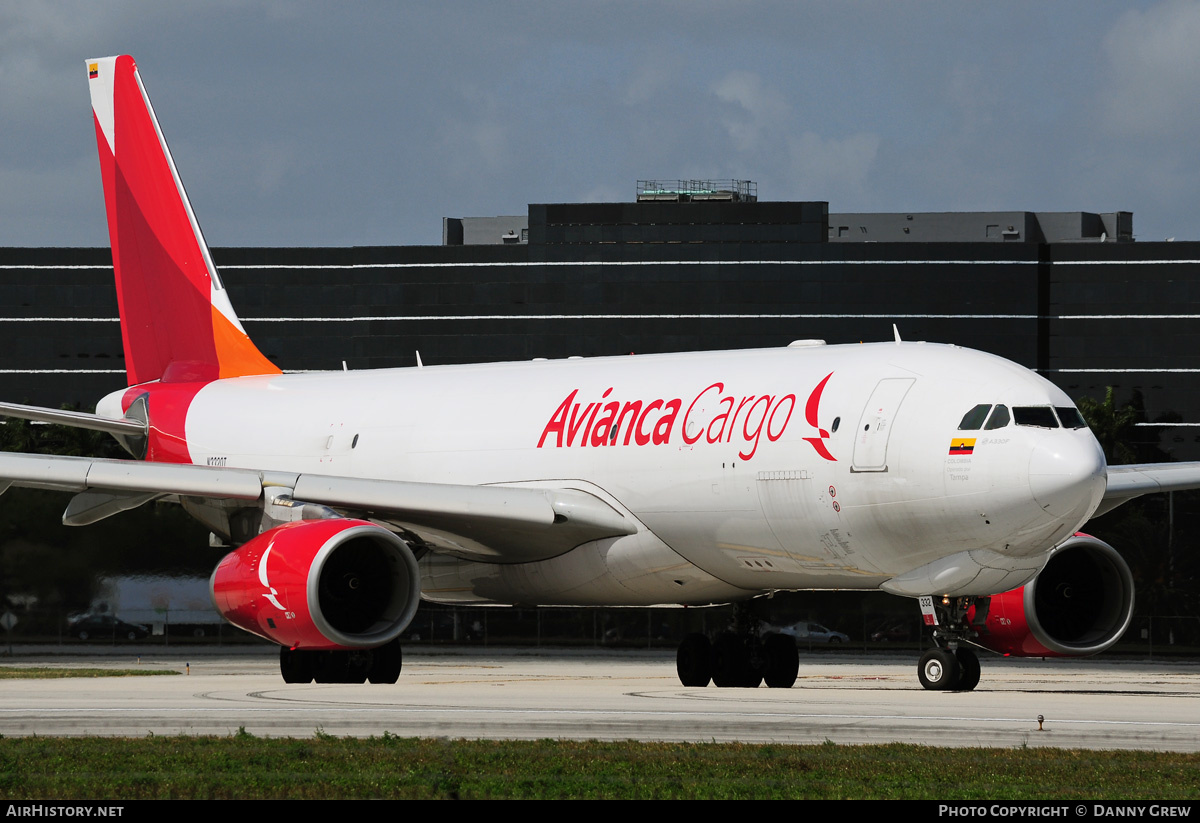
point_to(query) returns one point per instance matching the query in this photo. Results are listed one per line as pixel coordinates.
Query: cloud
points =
(827, 168)
(652, 79)
(1154, 65)
(763, 109)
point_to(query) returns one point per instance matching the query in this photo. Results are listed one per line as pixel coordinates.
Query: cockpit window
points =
(973, 419)
(999, 418)
(1041, 416)
(1070, 417)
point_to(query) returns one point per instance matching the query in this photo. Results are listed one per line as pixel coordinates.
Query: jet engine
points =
(320, 584)
(1080, 603)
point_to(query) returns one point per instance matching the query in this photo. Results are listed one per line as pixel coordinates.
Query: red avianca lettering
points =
(713, 415)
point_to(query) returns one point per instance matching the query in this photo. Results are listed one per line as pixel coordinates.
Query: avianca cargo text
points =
(746, 417)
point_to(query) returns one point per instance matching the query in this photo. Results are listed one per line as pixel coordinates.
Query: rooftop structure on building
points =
(729, 211)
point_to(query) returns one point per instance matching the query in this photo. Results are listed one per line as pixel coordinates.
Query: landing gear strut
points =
(953, 666)
(738, 658)
(379, 665)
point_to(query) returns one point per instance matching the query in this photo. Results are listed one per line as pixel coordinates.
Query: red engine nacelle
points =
(1079, 604)
(320, 584)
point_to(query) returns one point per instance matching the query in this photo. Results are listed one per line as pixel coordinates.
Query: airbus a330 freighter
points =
(930, 471)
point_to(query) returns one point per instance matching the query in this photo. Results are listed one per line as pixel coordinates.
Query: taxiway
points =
(486, 693)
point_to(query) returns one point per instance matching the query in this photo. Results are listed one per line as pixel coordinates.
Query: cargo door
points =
(875, 426)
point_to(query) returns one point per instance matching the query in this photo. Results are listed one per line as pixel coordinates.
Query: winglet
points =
(177, 323)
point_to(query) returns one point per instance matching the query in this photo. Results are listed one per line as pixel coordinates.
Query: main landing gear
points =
(738, 658)
(952, 666)
(379, 665)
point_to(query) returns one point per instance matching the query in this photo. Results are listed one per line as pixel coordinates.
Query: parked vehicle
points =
(901, 632)
(805, 633)
(105, 626)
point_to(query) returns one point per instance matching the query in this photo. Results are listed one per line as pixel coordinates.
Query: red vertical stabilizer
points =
(177, 323)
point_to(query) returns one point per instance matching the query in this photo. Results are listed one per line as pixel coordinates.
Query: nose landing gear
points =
(952, 666)
(945, 670)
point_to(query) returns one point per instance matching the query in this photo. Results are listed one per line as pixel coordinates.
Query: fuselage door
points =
(875, 426)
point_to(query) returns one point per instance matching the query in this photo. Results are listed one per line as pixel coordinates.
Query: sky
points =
(364, 123)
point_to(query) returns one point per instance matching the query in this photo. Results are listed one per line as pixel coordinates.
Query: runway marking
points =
(628, 714)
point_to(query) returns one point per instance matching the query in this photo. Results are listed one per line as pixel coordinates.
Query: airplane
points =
(931, 471)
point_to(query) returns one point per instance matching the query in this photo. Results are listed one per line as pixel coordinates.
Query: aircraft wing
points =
(1128, 482)
(491, 523)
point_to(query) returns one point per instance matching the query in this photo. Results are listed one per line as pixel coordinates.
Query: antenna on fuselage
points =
(896, 332)
(420, 365)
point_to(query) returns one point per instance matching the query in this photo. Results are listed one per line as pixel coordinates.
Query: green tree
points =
(1113, 426)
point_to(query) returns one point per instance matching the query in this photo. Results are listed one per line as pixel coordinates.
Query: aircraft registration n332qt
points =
(931, 471)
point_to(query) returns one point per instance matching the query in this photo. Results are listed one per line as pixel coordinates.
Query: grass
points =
(43, 672)
(324, 767)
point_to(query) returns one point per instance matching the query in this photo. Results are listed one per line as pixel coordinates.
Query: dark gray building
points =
(1067, 294)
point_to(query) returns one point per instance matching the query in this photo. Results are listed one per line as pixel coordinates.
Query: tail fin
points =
(177, 323)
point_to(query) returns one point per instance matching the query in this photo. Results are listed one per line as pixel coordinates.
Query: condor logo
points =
(745, 418)
(812, 411)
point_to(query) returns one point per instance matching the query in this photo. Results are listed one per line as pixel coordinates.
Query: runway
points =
(844, 698)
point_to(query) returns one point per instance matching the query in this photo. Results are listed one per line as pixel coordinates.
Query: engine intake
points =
(320, 584)
(1080, 603)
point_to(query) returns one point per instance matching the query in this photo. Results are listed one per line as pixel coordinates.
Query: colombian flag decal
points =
(93, 71)
(962, 445)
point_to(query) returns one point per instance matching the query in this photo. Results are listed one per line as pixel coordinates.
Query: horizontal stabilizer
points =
(87, 508)
(75, 419)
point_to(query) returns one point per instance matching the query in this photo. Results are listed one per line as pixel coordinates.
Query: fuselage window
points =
(973, 419)
(1040, 416)
(999, 418)
(1070, 417)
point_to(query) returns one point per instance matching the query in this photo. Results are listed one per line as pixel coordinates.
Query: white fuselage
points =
(749, 471)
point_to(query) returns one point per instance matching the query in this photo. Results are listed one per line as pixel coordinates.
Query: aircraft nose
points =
(1067, 474)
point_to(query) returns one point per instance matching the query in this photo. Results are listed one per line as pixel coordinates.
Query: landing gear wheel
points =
(386, 662)
(728, 660)
(295, 666)
(341, 666)
(783, 661)
(938, 670)
(731, 663)
(693, 661)
(968, 666)
(752, 675)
